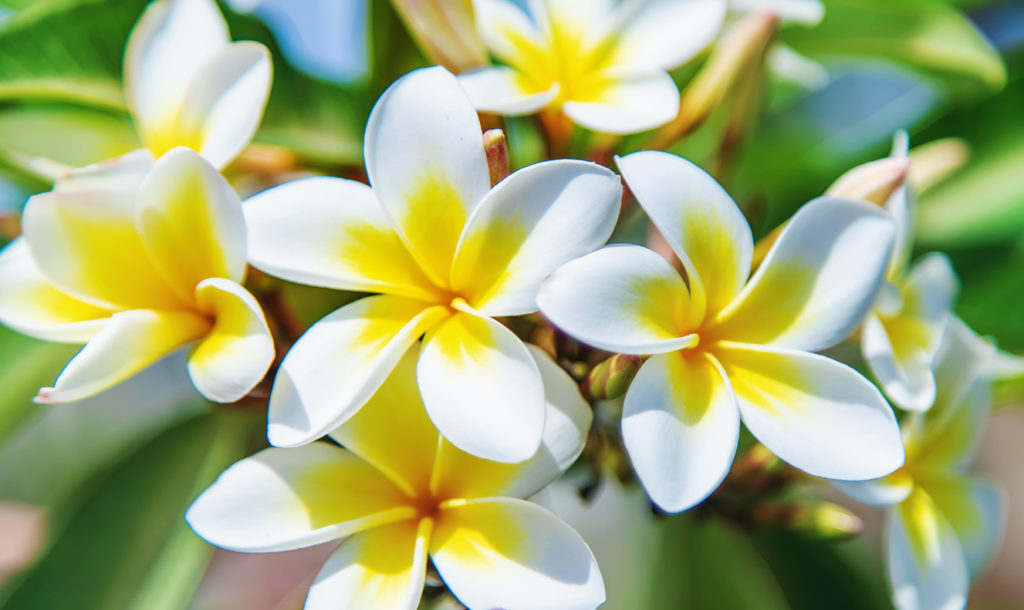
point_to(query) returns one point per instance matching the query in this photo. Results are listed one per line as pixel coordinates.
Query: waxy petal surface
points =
(281, 499)
(505, 91)
(680, 426)
(667, 33)
(626, 103)
(976, 510)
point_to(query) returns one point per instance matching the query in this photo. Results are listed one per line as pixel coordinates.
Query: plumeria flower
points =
(136, 260)
(903, 331)
(447, 253)
(400, 493)
(725, 347)
(603, 63)
(943, 523)
(188, 85)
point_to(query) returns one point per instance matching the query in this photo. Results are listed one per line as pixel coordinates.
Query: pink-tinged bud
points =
(611, 378)
(874, 182)
(446, 31)
(497, 154)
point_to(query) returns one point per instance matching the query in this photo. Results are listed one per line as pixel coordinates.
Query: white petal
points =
(281, 499)
(330, 232)
(504, 91)
(426, 163)
(818, 280)
(667, 33)
(906, 378)
(566, 423)
(680, 426)
(167, 47)
(901, 206)
(817, 414)
(190, 221)
(699, 220)
(629, 103)
(533, 221)
(885, 491)
(337, 365)
(505, 553)
(926, 564)
(129, 342)
(225, 100)
(976, 510)
(482, 389)
(31, 305)
(115, 180)
(807, 12)
(237, 352)
(509, 33)
(624, 299)
(381, 568)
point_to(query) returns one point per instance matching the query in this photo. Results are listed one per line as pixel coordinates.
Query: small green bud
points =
(823, 520)
(610, 378)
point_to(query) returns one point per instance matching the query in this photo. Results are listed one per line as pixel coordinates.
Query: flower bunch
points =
(491, 319)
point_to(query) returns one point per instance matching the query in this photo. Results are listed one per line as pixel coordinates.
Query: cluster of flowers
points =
(444, 419)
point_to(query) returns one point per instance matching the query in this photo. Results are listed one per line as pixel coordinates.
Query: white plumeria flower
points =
(137, 260)
(448, 254)
(943, 523)
(601, 62)
(904, 329)
(188, 85)
(725, 347)
(400, 493)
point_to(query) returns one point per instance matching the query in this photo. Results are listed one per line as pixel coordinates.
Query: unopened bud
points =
(742, 47)
(609, 379)
(822, 520)
(497, 154)
(874, 182)
(935, 161)
(446, 31)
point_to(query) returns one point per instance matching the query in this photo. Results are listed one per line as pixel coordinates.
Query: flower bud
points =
(446, 31)
(935, 161)
(822, 520)
(609, 379)
(497, 154)
(874, 182)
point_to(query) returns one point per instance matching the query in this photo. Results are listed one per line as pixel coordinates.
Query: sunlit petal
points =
(626, 103)
(667, 33)
(505, 91)
(976, 510)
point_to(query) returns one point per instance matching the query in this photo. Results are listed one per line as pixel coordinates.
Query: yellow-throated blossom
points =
(601, 62)
(188, 85)
(943, 523)
(725, 347)
(400, 493)
(136, 260)
(902, 332)
(447, 252)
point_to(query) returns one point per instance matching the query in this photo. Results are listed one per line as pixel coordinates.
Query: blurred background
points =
(92, 494)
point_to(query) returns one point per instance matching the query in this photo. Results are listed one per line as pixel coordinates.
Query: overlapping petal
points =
(680, 426)
(482, 389)
(510, 33)
(31, 305)
(818, 281)
(506, 91)
(667, 33)
(528, 225)
(284, 499)
(330, 232)
(626, 299)
(237, 351)
(381, 568)
(885, 491)
(566, 423)
(625, 102)
(338, 364)
(129, 342)
(699, 220)
(190, 221)
(506, 553)
(427, 183)
(813, 412)
(976, 510)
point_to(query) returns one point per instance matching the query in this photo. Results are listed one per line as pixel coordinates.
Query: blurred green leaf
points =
(391, 50)
(72, 135)
(127, 545)
(930, 36)
(26, 365)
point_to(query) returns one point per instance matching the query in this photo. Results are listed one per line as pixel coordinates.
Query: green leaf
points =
(72, 135)
(929, 36)
(26, 365)
(127, 544)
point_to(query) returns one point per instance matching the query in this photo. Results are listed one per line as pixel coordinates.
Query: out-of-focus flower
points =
(448, 254)
(943, 523)
(188, 85)
(137, 260)
(601, 63)
(446, 31)
(725, 347)
(400, 494)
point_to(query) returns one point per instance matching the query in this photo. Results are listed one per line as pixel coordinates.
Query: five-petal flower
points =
(725, 347)
(137, 260)
(943, 523)
(602, 63)
(447, 253)
(399, 492)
